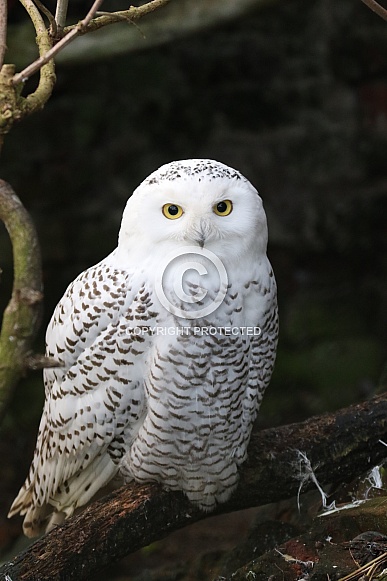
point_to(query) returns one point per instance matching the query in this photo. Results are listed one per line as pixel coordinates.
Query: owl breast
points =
(202, 398)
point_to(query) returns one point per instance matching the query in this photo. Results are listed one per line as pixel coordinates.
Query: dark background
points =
(295, 97)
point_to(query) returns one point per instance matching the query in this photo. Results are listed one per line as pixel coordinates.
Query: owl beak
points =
(201, 240)
(200, 232)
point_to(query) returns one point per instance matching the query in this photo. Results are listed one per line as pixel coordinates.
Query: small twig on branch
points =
(376, 7)
(338, 446)
(3, 30)
(50, 17)
(37, 361)
(61, 13)
(49, 55)
(22, 316)
(134, 13)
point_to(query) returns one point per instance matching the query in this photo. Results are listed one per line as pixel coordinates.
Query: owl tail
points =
(71, 494)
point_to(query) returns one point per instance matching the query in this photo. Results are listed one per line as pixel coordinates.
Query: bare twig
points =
(3, 30)
(375, 7)
(49, 55)
(61, 13)
(51, 19)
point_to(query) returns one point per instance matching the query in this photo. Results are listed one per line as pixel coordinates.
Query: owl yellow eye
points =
(172, 211)
(223, 208)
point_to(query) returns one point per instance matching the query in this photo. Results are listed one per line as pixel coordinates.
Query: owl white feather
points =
(153, 391)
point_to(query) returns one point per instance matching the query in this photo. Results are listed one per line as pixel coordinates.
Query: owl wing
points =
(92, 397)
(263, 345)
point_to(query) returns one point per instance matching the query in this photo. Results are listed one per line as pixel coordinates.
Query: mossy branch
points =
(22, 315)
(40, 96)
(13, 106)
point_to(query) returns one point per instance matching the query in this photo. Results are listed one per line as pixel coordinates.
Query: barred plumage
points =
(133, 398)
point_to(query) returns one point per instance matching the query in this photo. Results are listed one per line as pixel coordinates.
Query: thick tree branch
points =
(13, 106)
(9, 111)
(339, 447)
(22, 315)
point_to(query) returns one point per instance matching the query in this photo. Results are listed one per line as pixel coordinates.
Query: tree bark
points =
(335, 448)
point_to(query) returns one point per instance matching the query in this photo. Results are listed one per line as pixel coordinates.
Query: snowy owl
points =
(164, 349)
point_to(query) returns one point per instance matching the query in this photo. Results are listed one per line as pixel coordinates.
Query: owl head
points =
(195, 202)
